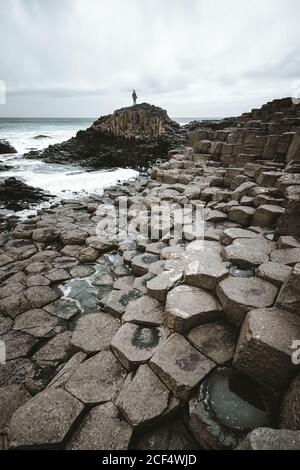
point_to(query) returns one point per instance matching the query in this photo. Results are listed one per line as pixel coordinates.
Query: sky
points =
(195, 58)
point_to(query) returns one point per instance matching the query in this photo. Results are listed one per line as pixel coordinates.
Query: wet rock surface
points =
(16, 195)
(216, 426)
(127, 331)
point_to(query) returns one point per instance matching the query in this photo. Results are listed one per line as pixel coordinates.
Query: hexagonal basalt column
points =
(216, 340)
(45, 420)
(117, 300)
(180, 366)
(98, 379)
(135, 344)
(146, 399)
(144, 311)
(264, 350)
(140, 264)
(94, 332)
(102, 429)
(187, 307)
(240, 295)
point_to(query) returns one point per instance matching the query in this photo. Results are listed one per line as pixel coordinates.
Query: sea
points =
(61, 181)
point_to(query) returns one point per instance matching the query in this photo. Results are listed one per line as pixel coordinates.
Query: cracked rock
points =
(146, 399)
(97, 379)
(102, 429)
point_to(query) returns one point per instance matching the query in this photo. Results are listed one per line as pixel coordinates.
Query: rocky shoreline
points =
(163, 343)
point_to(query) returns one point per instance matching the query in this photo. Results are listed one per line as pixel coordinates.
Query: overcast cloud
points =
(192, 57)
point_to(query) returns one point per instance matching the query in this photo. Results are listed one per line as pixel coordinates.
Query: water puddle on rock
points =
(94, 282)
(236, 401)
(235, 271)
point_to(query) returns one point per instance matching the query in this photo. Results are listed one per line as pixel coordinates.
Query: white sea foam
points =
(62, 181)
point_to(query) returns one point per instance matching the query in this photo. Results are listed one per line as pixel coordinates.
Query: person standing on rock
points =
(134, 97)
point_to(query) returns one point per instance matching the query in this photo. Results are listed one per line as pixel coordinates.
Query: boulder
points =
(17, 371)
(63, 308)
(39, 296)
(267, 215)
(264, 349)
(62, 377)
(74, 237)
(18, 344)
(243, 256)
(140, 264)
(241, 214)
(37, 323)
(289, 295)
(46, 234)
(6, 147)
(290, 256)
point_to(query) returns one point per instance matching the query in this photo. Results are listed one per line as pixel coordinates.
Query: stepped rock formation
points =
(133, 136)
(161, 342)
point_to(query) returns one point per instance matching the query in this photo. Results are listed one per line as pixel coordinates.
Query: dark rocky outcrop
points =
(17, 195)
(215, 124)
(6, 147)
(130, 137)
